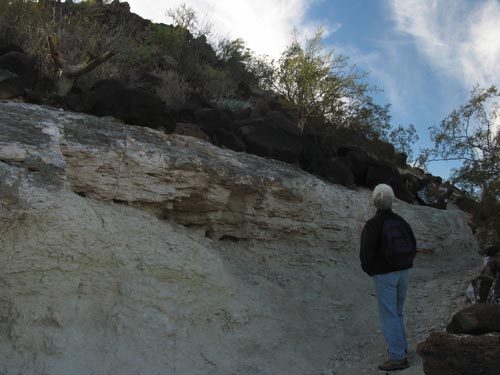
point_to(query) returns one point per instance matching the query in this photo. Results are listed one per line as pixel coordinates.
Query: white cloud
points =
(458, 37)
(265, 25)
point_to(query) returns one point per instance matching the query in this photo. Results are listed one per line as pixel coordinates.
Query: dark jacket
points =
(372, 259)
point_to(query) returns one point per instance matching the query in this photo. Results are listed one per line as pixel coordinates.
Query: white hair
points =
(383, 196)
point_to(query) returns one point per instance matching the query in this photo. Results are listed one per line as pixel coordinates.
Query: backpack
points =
(398, 247)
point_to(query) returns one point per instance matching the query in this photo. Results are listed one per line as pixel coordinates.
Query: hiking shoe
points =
(392, 365)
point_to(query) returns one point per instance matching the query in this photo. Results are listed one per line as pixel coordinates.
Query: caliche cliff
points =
(127, 251)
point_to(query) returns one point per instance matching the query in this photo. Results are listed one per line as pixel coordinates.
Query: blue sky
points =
(426, 55)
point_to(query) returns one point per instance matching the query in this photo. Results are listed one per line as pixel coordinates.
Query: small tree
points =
(314, 82)
(186, 17)
(404, 139)
(471, 134)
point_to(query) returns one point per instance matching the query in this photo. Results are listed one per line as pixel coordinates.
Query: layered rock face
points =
(128, 251)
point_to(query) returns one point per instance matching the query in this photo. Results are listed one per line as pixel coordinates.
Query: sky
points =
(425, 55)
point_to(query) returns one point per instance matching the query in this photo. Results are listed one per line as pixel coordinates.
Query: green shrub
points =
(173, 88)
(233, 104)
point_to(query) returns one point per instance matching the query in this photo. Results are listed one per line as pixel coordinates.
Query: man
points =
(389, 273)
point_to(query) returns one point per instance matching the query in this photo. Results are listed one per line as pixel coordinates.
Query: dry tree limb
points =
(68, 73)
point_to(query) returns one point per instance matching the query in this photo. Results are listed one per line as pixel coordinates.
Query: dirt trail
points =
(434, 296)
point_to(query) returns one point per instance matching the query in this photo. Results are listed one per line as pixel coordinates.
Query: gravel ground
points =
(433, 298)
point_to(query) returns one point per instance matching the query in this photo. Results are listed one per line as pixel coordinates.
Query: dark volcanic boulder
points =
(21, 64)
(17, 72)
(476, 319)
(11, 86)
(336, 171)
(227, 139)
(448, 354)
(40, 91)
(132, 105)
(75, 100)
(272, 142)
(101, 91)
(401, 190)
(311, 158)
(358, 161)
(10, 48)
(380, 174)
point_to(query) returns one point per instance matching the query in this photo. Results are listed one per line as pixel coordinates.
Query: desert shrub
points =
(233, 104)
(172, 89)
(216, 84)
(25, 24)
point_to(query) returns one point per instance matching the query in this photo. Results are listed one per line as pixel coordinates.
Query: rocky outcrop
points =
(17, 71)
(126, 250)
(476, 319)
(448, 354)
(256, 124)
(195, 183)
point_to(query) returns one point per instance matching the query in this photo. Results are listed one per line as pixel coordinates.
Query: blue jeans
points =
(391, 291)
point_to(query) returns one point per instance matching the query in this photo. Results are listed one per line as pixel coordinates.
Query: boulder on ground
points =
(134, 106)
(11, 85)
(447, 354)
(227, 139)
(272, 142)
(21, 64)
(40, 91)
(380, 174)
(10, 48)
(338, 172)
(476, 319)
(358, 161)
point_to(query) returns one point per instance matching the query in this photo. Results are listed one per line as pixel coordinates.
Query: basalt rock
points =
(10, 48)
(336, 171)
(21, 64)
(133, 106)
(272, 142)
(11, 86)
(17, 72)
(227, 139)
(476, 319)
(448, 354)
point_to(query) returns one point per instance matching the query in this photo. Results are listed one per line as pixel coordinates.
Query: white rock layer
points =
(128, 251)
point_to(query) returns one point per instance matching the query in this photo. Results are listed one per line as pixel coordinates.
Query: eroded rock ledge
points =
(185, 179)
